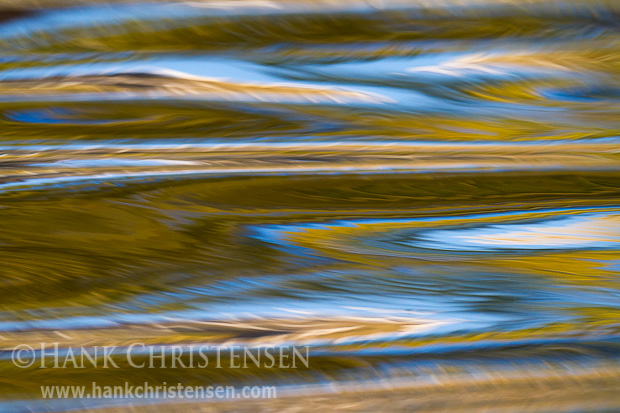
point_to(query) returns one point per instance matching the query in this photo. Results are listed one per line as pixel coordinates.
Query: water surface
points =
(425, 193)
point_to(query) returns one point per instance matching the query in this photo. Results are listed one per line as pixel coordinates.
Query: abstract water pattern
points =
(425, 193)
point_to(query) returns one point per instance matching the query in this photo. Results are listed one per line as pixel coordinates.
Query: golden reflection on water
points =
(425, 193)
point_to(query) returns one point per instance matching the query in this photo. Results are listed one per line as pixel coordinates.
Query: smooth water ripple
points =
(425, 193)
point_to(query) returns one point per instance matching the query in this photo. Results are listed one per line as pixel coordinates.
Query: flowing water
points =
(426, 193)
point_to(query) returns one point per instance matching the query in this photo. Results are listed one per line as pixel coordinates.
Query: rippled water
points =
(426, 193)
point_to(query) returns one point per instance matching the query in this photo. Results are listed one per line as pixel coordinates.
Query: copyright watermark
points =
(140, 356)
(23, 356)
(163, 391)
